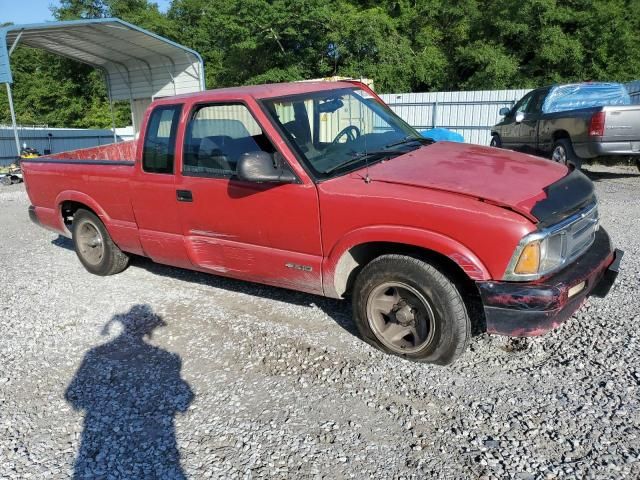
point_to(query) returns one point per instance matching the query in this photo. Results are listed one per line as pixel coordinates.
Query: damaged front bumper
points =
(526, 309)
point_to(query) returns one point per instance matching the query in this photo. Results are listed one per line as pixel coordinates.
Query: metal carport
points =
(138, 65)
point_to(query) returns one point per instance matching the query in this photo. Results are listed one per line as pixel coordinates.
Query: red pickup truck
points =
(320, 187)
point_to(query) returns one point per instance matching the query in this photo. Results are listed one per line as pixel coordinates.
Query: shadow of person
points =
(130, 392)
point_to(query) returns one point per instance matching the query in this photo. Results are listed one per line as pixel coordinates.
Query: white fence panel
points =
(471, 114)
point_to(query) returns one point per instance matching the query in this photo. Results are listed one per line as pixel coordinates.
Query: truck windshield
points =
(340, 130)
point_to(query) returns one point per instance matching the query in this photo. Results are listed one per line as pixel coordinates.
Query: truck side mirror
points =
(519, 117)
(504, 111)
(262, 167)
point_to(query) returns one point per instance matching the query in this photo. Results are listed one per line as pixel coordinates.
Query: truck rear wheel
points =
(94, 247)
(563, 153)
(406, 307)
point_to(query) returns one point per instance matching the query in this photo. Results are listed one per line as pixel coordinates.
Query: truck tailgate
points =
(622, 124)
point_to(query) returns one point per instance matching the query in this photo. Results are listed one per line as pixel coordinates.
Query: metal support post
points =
(13, 119)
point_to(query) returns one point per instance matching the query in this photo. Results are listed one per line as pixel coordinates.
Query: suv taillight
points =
(596, 125)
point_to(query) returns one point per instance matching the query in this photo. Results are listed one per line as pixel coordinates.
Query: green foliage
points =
(403, 45)
(52, 90)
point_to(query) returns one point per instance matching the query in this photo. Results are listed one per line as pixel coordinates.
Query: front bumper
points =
(526, 309)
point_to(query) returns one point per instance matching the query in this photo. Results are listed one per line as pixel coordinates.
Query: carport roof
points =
(138, 64)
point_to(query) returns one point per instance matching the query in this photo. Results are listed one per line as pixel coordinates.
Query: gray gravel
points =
(164, 373)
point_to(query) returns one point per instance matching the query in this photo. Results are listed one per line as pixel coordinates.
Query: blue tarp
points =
(442, 134)
(585, 95)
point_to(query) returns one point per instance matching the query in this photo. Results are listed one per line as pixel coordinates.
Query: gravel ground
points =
(164, 373)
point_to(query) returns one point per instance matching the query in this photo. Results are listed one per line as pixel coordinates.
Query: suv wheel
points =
(495, 141)
(406, 307)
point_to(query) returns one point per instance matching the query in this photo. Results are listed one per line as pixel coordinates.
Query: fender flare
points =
(340, 263)
(83, 198)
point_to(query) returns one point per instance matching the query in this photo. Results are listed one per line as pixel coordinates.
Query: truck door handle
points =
(184, 195)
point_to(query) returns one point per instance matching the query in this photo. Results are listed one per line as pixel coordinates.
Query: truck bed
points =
(114, 151)
(73, 176)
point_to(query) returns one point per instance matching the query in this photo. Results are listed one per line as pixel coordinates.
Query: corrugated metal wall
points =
(471, 114)
(634, 91)
(61, 140)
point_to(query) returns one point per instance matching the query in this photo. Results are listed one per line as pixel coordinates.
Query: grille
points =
(580, 234)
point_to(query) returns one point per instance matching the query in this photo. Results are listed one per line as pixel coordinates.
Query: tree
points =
(403, 45)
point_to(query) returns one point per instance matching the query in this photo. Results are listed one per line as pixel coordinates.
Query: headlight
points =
(536, 255)
(543, 252)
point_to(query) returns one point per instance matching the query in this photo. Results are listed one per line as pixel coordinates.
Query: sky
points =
(35, 11)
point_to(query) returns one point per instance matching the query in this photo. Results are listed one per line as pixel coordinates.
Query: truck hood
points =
(509, 179)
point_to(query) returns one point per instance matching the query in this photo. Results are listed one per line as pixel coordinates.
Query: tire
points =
(563, 153)
(94, 247)
(420, 302)
(495, 141)
(6, 181)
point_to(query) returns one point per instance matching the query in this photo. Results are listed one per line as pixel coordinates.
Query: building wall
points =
(61, 140)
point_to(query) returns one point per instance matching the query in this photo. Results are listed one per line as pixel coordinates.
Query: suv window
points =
(217, 136)
(160, 140)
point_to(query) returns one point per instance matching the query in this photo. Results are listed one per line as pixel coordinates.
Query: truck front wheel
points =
(406, 307)
(94, 246)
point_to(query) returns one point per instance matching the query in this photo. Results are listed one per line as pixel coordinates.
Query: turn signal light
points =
(596, 125)
(529, 261)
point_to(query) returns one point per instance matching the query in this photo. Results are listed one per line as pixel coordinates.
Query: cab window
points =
(216, 137)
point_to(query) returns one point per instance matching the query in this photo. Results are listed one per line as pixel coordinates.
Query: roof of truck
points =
(261, 91)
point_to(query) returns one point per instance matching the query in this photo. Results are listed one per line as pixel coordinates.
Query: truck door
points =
(265, 232)
(529, 125)
(153, 192)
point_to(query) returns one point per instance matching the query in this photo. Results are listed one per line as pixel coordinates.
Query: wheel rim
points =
(90, 243)
(559, 155)
(494, 142)
(400, 317)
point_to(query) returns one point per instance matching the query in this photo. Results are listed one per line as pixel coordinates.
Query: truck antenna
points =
(367, 178)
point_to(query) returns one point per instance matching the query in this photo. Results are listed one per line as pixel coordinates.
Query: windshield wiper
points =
(410, 139)
(380, 153)
(359, 157)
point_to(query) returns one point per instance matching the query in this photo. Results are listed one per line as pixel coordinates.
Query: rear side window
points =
(160, 141)
(217, 136)
(535, 105)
